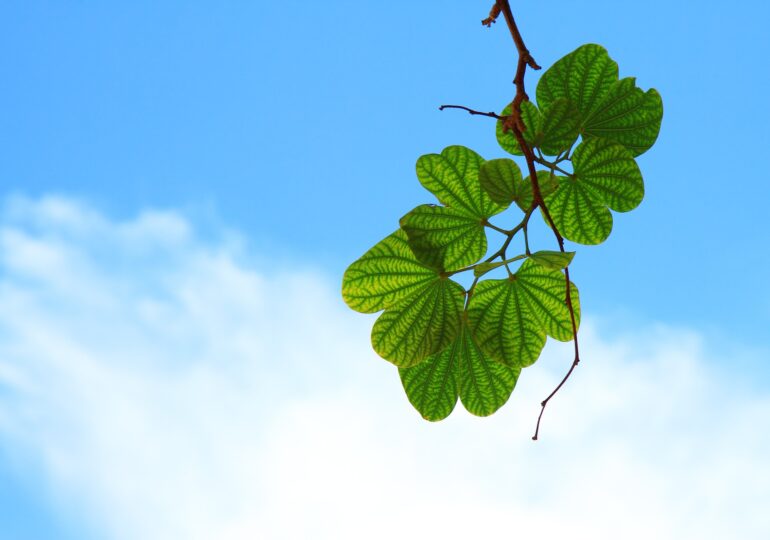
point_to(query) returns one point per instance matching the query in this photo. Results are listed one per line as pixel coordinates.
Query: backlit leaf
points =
(385, 274)
(610, 172)
(463, 370)
(627, 116)
(559, 127)
(453, 177)
(546, 181)
(510, 317)
(484, 384)
(444, 238)
(607, 107)
(577, 214)
(483, 268)
(503, 324)
(431, 386)
(584, 77)
(419, 325)
(553, 260)
(502, 180)
(605, 175)
(546, 292)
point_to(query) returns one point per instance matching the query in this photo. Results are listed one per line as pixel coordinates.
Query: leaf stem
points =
(553, 166)
(494, 227)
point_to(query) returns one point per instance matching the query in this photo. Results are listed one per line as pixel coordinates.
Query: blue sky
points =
(280, 139)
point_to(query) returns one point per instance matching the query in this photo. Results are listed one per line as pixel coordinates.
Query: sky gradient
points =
(193, 180)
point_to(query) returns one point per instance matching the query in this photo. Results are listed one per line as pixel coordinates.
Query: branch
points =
(515, 123)
(493, 14)
(471, 111)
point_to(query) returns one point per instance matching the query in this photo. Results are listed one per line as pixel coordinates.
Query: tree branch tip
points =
(493, 14)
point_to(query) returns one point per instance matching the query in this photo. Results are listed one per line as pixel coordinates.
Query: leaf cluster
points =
(450, 341)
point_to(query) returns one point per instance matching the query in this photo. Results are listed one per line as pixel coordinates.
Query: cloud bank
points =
(169, 386)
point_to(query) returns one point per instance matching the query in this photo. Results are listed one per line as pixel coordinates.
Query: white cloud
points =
(167, 388)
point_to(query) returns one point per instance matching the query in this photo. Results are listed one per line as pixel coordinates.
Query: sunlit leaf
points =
(463, 370)
(453, 177)
(546, 292)
(431, 386)
(627, 116)
(546, 181)
(605, 176)
(444, 238)
(502, 180)
(419, 325)
(607, 107)
(578, 216)
(503, 324)
(484, 384)
(553, 260)
(483, 268)
(559, 127)
(610, 173)
(584, 77)
(384, 275)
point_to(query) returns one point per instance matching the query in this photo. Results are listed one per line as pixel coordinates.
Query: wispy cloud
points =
(169, 388)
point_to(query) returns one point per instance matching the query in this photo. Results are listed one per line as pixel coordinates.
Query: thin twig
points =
(471, 111)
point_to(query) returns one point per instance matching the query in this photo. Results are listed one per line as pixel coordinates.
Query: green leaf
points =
(431, 386)
(420, 325)
(607, 107)
(384, 275)
(502, 180)
(510, 317)
(546, 293)
(453, 177)
(485, 267)
(553, 260)
(463, 370)
(484, 385)
(546, 181)
(610, 172)
(584, 77)
(449, 238)
(532, 119)
(627, 116)
(444, 238)
(605, 175)
(559, 127)
(503, 324)
(552, 130)
(577, 215)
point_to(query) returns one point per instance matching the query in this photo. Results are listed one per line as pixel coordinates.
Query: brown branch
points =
(515, 123)
(493, 14)
(471, 111)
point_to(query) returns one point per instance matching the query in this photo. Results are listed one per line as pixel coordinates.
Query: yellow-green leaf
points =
(503, 324)
(463, 370)
(553, 260)
(444, 238)
(453, 177)
(420, 325)
(502, 180)
(384, 275)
